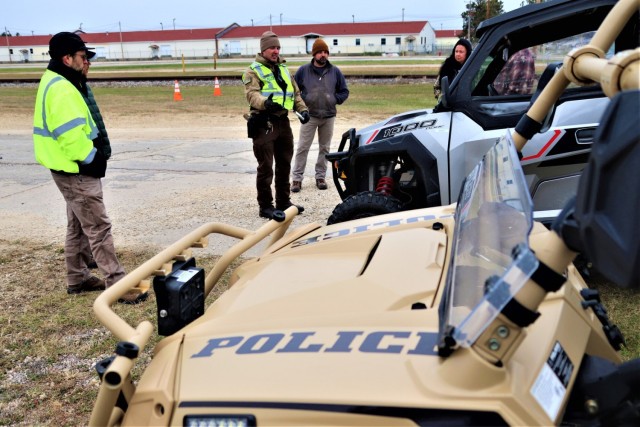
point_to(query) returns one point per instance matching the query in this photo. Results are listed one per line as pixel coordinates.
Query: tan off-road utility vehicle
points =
(467, 314)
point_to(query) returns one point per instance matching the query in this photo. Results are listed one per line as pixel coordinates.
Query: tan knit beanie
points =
(268, 39)
(318, 46)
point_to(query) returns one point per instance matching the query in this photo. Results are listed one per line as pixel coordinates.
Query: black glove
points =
(97, 168)
(271, 106)
(304, 117)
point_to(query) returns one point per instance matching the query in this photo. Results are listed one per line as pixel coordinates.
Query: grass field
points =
(233, 68)
(50, 341)
(382, 100)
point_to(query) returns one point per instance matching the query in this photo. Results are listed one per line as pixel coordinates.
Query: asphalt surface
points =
(155, 191)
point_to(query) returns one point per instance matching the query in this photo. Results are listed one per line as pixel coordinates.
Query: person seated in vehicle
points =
(518, 76)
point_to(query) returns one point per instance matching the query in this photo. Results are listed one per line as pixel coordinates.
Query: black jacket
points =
(450, 67)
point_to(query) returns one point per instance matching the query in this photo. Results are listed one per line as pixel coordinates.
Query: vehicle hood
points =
(322, 308)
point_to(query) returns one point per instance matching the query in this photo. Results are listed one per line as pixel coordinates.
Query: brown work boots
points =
(321, 184)
(296, 186)
(93, 283)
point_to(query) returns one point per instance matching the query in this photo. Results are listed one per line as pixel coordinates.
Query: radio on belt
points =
(179, 296)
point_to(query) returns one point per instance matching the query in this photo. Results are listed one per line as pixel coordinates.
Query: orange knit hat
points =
(318, 46)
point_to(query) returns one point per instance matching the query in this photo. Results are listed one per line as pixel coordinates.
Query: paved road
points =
(155, 191)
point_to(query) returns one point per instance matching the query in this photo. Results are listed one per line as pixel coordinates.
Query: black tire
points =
(364, 205)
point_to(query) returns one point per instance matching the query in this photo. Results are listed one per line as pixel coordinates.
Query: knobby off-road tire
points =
(364, 205)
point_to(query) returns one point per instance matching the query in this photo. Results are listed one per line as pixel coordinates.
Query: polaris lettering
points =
(381, 342)
(365, 227)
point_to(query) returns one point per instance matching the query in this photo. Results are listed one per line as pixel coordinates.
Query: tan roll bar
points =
(117, 377)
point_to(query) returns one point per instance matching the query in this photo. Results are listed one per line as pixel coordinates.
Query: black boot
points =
(284, 206)
(267, 212)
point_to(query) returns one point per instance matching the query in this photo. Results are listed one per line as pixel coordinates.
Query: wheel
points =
(363, 205)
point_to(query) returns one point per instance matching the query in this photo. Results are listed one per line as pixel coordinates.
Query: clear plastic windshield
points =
(491, 258)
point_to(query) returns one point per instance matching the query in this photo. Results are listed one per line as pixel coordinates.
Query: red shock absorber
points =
(385, 185)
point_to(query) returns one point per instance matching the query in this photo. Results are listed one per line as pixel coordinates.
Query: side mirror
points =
(444, 97)
(602, 221)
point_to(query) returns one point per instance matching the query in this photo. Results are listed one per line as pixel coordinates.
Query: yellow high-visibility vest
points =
(270, 86)
(63, 128)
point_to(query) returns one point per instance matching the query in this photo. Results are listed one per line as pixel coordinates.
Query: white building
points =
(411, 37)
(401, 38)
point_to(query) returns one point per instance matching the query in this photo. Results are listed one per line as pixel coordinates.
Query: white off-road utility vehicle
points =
(420, 158)
(465, 314)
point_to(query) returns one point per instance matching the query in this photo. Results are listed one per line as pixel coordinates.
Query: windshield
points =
(491, 259)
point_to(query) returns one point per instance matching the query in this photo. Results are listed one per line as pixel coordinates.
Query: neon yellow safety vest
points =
(270, 86)
(63, 128)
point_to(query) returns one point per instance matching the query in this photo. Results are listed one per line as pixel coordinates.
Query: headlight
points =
(220, 421)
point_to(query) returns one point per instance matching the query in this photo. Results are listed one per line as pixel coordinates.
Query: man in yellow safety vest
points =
(67, 142)
(272, 93)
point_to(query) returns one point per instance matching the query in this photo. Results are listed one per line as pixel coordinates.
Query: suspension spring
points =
(385, 185)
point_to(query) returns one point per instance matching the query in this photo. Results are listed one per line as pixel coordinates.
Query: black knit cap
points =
(66, 43)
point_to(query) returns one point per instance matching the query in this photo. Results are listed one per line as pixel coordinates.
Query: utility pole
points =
(121, 48)
(161, 27)
(6, 34)
(469, 21)
(175, 45)
(281, 19)
(270, 24)
(403, 14)
(354, 18)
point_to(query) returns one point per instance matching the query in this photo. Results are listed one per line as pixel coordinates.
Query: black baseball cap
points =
(66, 43)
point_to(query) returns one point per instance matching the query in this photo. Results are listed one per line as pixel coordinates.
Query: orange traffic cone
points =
(216, 88)
(177, 96)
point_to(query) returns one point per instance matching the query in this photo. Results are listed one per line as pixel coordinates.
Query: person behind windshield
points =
(452, 65)
(518, 75)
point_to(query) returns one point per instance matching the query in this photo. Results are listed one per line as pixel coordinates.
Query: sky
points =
(43, 17)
